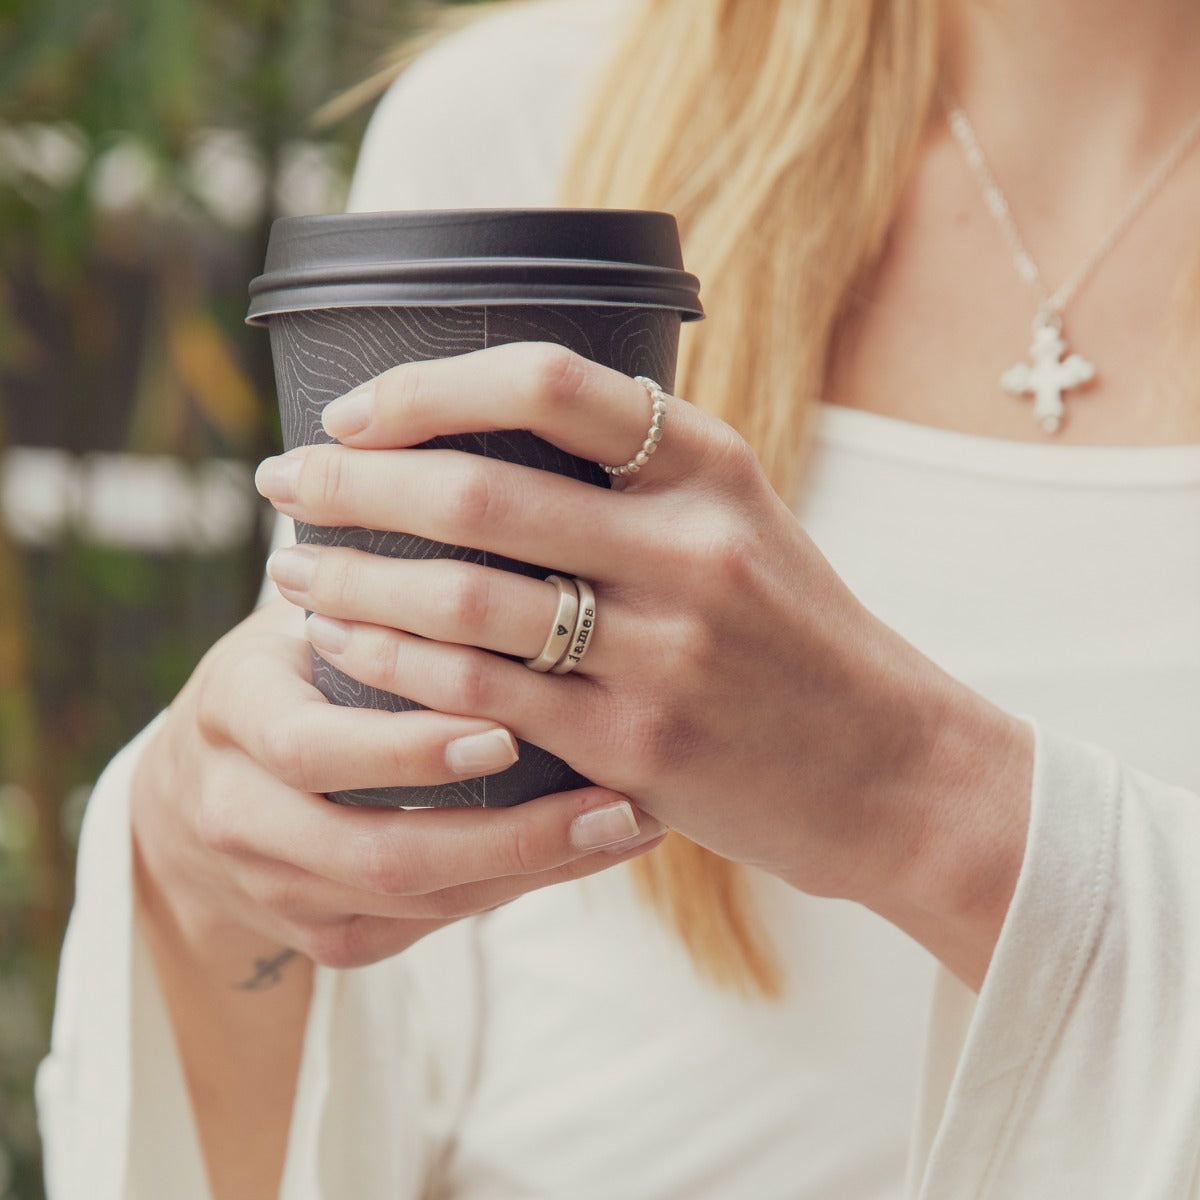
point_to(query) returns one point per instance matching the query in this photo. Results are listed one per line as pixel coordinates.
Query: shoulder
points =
(487, 116)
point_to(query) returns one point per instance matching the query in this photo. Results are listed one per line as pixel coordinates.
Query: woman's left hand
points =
(733, 686)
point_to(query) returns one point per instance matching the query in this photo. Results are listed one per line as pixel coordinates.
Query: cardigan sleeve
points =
(104, 1137)
(1076, 1071)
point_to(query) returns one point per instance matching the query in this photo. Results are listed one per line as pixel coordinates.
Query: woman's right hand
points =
(247, 874)
(243, 859)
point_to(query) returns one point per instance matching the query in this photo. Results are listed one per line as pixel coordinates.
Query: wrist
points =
(962, 810)
(238, 1000)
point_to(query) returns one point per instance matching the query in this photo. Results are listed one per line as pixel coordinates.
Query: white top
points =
(562, 1046)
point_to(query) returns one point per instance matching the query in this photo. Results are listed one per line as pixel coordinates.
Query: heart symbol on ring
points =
(562, 631)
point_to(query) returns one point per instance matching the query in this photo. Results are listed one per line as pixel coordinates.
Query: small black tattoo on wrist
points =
(268, 973)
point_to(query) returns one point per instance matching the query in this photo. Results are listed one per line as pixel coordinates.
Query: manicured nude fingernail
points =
(482, 753)
(351, 413)
(293, 567)
(278, 478)
(327, 634)
(604, 827)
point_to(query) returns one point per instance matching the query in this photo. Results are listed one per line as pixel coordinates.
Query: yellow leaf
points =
(216, 382)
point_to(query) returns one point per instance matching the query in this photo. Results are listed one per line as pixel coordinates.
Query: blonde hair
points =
(780, 133)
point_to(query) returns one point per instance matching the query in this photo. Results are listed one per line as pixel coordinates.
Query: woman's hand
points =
(733, 687)
(241, 854)
(247, 874)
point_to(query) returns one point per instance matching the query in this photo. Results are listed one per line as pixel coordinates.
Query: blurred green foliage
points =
(145, 146)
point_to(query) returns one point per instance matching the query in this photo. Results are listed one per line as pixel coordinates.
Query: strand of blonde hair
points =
(780, 133)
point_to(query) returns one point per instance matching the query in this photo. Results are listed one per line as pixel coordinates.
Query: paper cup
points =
(347, 297)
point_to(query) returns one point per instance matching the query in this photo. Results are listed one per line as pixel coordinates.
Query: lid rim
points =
(319, 274)
(415, 297)
(465, 257)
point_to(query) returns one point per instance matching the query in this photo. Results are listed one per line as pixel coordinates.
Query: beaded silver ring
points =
(658, 418)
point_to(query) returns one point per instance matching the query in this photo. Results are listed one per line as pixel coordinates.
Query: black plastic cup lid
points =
(474, 257)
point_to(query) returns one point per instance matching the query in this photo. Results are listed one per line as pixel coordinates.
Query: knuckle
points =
(335, 584)
(384, 867)
(729, 556)
(468, 685)
(399, 762)
(214, 821)
(403, 392)
(467, 600)
(218, 677)
(211, 709)
(462, 900)
(323, 482)
(474, 501)
(390, 665)
(693, 645)
(449, 904)
(340, 944)
(283, 893)
(734, 456)
(521, 849)
(558, 375)
(660, 740)
(286, 753)
(716, 550)
(407, 399)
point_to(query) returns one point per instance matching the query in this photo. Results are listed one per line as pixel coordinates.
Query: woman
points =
(958, 952)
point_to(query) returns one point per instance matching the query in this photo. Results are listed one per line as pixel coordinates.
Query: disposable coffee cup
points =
(346, 297)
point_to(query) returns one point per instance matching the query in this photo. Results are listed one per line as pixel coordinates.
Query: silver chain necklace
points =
(1050, 374)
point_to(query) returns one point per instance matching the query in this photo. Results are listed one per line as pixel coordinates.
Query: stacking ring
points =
(562, 631)
(658, 417)
(581, 635)
(571, 633)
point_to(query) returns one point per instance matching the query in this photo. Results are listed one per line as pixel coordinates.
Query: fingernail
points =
(482, 753)
(327, 634)
(351, 413)
(605, 827)
(278, 478)
(293, 567)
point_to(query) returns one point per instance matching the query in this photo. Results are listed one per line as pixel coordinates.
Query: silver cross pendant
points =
(1049, 375)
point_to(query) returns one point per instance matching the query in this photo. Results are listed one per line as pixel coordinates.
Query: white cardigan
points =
(563, 1048)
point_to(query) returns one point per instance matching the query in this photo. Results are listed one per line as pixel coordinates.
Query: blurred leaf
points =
(205, 364)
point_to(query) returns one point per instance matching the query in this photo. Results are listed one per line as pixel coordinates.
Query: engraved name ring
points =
(572, 628)
(562, 631)
(581, 635)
